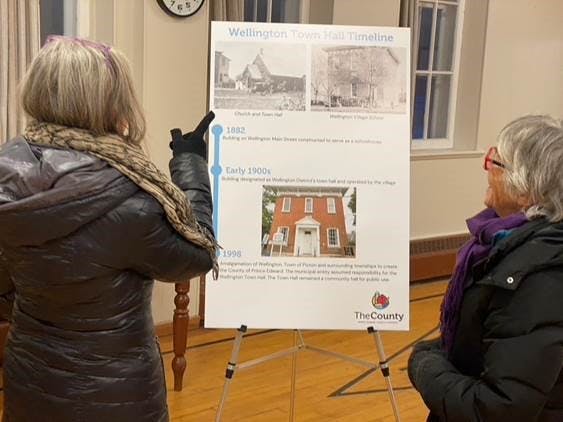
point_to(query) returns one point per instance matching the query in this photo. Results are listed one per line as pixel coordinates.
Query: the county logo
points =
(380, 301)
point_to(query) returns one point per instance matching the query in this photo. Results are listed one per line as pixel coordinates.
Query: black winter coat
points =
(507, 358)
(80, 246)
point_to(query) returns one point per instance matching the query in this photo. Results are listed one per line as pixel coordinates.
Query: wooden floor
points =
(262, 393)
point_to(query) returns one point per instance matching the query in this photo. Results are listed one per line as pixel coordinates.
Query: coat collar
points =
(536, 245)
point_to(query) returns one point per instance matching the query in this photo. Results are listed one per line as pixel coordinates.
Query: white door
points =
(307, 248)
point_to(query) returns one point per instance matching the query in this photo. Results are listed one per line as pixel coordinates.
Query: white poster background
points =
(340, 145)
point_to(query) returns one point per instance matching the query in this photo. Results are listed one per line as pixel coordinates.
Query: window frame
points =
(308, 210)
(286, 200)
(337, 245)
(285, 231)
(70, 14)
(328, 207)
(303, 7)
(448, 142)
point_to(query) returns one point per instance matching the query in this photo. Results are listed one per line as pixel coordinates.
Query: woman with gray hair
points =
(87, 223)
(500, 354)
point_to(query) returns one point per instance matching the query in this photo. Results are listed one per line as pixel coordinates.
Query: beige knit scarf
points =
(132, 162)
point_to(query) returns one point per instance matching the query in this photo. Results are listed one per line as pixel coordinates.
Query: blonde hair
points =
(78, 83)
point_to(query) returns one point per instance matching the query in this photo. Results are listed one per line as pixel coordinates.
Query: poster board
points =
(309, 163)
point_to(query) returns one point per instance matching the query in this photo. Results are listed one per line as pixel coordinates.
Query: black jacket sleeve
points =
(521, 365)
(6, 291)
(156, 250)
(189, 172)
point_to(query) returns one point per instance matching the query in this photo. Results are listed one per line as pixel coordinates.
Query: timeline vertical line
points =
(216, 171)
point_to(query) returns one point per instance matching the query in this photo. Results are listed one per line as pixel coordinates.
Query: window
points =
(285, 232)
(58, 17)
(286, 207)
(438, 26)
(333, 238)
(354, 89)
(309, 205)
(285, 11)
(330, 206)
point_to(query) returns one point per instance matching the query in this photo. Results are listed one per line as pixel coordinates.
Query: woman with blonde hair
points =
(500, 355)
(87, 223)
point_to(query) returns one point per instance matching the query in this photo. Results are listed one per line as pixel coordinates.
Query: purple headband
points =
(103, 48)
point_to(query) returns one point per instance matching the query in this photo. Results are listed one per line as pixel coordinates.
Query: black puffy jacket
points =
(507, 358)
(80, 245)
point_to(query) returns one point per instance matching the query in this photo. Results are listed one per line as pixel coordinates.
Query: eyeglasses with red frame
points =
(490, 161)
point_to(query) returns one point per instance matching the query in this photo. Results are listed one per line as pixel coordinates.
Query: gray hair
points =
(531, 147)
(82, 84)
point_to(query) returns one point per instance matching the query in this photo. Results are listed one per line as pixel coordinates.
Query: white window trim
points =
(285, 238)
(304, 8)
(83, 18)
(446, 154)
(304, 11)
(329, 209)
(337, 237)
(308, 210)
(286, 201)
(440, 143)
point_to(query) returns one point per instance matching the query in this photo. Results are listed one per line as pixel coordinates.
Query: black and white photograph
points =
(260, 76)
(358, 79)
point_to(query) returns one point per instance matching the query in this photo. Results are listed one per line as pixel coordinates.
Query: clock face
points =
(180, 8)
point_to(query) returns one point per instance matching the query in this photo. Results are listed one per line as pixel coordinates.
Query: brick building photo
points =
(304, 221)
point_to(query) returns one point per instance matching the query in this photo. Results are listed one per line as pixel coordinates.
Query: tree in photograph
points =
(339, 73)
(374, 71)
(352, 205)
(319, 77)
(268, 200)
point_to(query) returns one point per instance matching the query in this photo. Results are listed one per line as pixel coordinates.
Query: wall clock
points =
(180, 8)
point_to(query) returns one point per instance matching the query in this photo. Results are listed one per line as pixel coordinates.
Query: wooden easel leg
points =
(201, 310)
(180, 333)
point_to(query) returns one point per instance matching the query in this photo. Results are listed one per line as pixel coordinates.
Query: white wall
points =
(523, 70)
(522, 73)
(320, 12)
(366, 12)
(130, 38)
(444, 193)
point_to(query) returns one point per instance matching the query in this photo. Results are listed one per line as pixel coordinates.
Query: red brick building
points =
(312, 221)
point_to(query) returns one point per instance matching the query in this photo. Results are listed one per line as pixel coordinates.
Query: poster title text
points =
(301, 35)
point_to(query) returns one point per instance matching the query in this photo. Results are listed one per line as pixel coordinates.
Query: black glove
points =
(424, 364)
(426, 345)
(192, 142)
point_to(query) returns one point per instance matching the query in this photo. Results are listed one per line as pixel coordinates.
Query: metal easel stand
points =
(384, 366)
(298, 345)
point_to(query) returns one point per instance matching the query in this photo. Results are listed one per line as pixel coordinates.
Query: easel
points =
(299, 345)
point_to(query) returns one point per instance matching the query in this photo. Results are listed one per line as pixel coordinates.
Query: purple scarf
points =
(483, 228)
